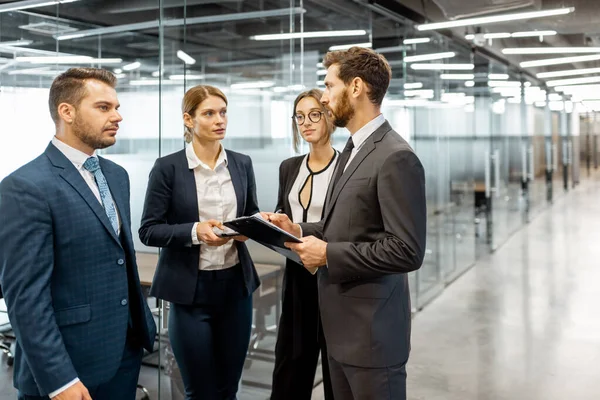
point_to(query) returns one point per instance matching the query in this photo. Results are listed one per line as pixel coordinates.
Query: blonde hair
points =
(192, 99)
(315, 94)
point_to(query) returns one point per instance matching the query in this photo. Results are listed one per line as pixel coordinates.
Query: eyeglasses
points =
(314, 116)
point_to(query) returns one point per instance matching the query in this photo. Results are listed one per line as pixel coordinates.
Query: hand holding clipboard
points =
(257, 228)
(312, 251)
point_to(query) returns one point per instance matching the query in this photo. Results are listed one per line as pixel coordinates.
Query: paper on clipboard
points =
(266, 233)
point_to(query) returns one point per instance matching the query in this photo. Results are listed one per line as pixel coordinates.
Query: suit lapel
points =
(366, 149)
(70, 174)
(236, 180)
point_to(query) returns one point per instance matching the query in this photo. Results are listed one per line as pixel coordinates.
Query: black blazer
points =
(299, 286)
(170, 211)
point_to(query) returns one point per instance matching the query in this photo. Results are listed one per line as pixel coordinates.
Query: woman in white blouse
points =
(208, 279)
(303, 183)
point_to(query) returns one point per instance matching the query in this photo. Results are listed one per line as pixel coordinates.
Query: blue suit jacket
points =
(63, 274)
(170, 211)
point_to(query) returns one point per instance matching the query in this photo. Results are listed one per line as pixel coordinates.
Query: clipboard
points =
(265, 233)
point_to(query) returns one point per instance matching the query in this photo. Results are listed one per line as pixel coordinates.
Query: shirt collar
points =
(361, 135)
(77, 157)
(194, 161)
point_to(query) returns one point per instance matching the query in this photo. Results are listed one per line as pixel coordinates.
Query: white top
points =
(319, 184)
(78, 158)
(360, 136)
(216, 200)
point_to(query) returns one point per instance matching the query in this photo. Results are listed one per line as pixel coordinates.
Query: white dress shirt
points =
(216, 200)
(78, 158)
(360, 136)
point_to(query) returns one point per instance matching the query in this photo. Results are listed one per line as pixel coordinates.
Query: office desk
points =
(147, 267)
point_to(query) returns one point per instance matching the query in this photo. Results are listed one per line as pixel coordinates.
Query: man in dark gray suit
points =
(372, 234)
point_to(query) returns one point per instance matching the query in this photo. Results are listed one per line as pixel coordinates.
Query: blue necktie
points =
(92, 165)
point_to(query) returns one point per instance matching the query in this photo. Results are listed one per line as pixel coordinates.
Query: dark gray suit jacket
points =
(374, 224)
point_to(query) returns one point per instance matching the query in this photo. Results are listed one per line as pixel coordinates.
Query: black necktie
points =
(343, 161)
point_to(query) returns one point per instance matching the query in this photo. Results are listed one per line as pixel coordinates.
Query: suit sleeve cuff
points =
(195, 240)
(62, 389)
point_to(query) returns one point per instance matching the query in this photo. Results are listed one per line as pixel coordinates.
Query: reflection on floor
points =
(521, 325)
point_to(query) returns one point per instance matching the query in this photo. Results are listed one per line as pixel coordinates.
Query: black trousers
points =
(123, 385)
(299, 340)
(210, 337)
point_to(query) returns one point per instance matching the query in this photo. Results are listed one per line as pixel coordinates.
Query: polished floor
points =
(522, 324)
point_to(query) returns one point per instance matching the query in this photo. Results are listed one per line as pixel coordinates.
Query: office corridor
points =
(523, 323)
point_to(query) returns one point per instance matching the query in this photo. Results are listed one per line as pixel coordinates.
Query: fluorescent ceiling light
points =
(185, 57)
(118, 71)
(443, 67)
(573, 81)
(69, 60)
(253, 85)
(550, 50)
(156, 74)
(152, 82)
(532, 34)
(561, 60)
(309, 35)
(26, 50)
(457, 76)
(132, 66)
(347, 46)
(417, 40)
(504, 84)
(424, 93)
(121, 76)
(555, 97)
(40, 71)
(499, 35)
(470, 83)
(23, 5)
(505, 35)
(282, 12)
(189, 77)
(495, 18)
(16, 43)
(568, 72)
(321, 72)
(413, 85)
(429, 57)
(498, 76)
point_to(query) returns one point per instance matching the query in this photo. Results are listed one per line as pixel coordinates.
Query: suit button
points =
(120, 261)
(124, 302)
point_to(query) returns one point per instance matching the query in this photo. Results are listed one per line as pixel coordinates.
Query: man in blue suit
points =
(67, 262)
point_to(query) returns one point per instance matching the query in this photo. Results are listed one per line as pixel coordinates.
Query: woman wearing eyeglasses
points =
(303, 183)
